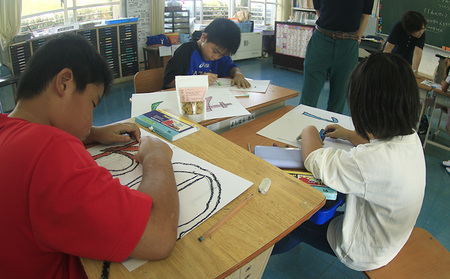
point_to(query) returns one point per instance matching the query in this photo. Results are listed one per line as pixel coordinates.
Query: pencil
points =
(216, 226)
(241, 95)
(249, 148)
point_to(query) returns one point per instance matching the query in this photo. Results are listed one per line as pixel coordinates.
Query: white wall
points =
(429, 61)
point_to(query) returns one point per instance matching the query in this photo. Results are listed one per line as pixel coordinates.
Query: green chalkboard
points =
(437, 13)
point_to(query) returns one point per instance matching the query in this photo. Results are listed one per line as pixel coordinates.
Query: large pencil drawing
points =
(200, 184)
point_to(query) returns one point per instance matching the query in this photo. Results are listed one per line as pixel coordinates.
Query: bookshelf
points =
(303, 10)
(117, 43)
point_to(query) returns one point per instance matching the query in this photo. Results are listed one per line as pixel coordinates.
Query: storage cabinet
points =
(250, 47)
(176, 21)
(116, 42)
(291, 40)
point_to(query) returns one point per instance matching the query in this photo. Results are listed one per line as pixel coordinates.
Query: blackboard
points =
(437, 13)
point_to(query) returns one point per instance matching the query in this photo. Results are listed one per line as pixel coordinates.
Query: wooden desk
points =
(257, 226)
(246, 134)
(152, 58)
(257, 103)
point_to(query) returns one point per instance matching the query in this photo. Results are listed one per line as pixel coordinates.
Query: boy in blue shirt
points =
(209, 55)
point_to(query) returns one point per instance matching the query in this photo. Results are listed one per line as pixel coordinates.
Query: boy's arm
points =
(238, 78)
(112, 133)
(158, 181)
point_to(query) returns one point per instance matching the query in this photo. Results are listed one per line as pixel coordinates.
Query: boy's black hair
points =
(413, 21)
(224, 33)
(64, 51)
(384, 97)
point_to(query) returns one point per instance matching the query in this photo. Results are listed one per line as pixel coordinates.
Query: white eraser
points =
(264, 186)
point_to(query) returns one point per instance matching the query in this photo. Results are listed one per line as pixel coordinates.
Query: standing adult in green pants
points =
(333, 49)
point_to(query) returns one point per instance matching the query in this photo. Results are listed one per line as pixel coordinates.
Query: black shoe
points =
(423, 127)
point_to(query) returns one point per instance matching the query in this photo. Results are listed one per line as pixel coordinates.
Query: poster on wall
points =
(141, 10)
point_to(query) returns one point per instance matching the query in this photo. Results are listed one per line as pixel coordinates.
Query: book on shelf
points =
(302, 16)
(167, 125)
(308, 178)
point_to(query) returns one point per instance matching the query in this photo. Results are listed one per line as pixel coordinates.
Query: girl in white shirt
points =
(383, 175)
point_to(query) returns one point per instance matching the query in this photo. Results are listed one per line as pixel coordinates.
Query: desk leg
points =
(423, 96)
(430, 122)
(146, 64)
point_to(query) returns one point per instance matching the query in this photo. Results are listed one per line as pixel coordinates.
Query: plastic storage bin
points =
(325, 213)
(246, 26)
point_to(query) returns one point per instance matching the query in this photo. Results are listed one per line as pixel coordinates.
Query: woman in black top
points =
(407, 38)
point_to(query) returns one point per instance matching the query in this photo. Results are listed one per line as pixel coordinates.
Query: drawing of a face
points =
(198, 188)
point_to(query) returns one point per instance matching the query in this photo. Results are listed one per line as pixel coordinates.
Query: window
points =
(264, 12)
(43, 14)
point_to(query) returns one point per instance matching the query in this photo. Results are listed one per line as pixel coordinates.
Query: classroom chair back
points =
(422, 257)
(149, 80)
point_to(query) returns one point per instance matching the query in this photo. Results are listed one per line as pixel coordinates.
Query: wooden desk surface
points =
(419, 80)
(274, 94)
(262, 222)
(246, 134)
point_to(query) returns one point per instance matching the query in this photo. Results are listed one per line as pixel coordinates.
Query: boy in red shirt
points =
(57, 203)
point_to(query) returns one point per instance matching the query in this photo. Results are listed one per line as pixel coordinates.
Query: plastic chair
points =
(422, 257)
(149, 80)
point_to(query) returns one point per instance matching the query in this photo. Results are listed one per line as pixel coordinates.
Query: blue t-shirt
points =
(187, 60)
(342, 15)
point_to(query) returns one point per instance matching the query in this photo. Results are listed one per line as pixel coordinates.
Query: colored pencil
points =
(216, 226)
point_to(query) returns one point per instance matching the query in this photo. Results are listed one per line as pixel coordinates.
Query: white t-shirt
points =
(448, 78)
(385, 183)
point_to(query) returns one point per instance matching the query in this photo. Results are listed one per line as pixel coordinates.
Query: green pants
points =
(325, 55)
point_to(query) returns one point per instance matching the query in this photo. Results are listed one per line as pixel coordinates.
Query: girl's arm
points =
(311, 141)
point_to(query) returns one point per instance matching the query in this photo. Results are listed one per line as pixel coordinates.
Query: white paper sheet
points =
(220, 103)
(256, 85)
(287, 128)
(432, 84)
(203, 188)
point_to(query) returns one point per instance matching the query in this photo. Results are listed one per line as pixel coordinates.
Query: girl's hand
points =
(337, 131)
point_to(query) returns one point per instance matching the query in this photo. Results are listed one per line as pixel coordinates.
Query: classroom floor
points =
(304, 261)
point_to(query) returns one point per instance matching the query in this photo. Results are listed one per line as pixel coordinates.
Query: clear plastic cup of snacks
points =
(191, 92)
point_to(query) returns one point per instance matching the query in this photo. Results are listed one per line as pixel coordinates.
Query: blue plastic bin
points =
(325, 214)
(246, 26)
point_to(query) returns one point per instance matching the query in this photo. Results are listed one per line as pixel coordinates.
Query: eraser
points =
(264, 186)
(322, 135)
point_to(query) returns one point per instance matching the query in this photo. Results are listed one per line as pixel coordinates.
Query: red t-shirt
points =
(57, 204)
